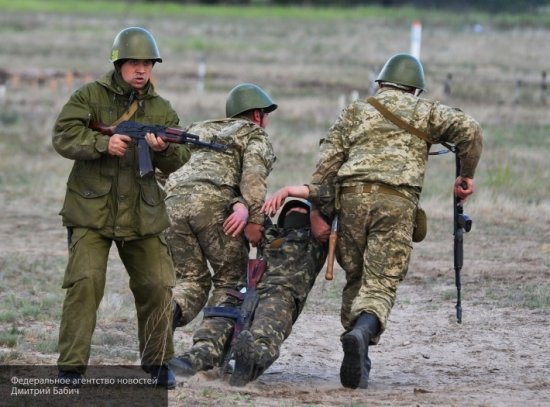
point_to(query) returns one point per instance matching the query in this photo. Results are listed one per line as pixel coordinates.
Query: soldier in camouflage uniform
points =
(108, 201)
(214, 197)
(294, 260)
(370, 173)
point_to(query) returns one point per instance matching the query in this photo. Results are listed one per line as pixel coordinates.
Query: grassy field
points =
(312, 62)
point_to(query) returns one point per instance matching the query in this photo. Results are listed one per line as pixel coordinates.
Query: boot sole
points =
(352, 364)
(243, 353)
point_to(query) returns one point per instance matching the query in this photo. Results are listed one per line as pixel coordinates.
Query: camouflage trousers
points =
(151, 272)
(271, 326)
(197, 240)
(374, 247)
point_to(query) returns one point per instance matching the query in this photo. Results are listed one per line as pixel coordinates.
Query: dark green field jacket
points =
(105, 192)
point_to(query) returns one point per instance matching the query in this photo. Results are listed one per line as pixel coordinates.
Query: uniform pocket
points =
(152, 215)
(152, 194)
(168, 275)
(78, 264)
(86, 201)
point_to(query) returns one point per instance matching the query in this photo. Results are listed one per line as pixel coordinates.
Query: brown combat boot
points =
(355, 369)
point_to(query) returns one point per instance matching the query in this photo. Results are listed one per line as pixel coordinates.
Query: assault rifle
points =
(137, 131)
(244, 315)
(462, 223)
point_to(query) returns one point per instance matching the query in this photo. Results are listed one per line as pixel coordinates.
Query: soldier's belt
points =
(364, 188)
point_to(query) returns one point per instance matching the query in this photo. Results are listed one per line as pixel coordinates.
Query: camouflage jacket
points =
(294, 259)
(241, 170)
(363, 146)
(105, 192)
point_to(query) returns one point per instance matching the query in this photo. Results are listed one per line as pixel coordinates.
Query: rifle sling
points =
(397, 120)
(225, 312)
(129, 113)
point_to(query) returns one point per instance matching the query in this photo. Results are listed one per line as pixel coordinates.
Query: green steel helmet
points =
(135, 43)
(403, 69)
(247, 96)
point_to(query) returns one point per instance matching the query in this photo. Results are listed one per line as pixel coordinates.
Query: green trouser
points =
(152, 276)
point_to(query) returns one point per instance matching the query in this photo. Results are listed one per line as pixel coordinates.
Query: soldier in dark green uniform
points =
(107, 200)
(294, 260)
(374, 170)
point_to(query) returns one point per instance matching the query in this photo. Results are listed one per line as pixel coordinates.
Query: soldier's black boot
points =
(245, 360)
(176, 316)
(163, 375)
(69, 379)
(355, 369)
(182, 366)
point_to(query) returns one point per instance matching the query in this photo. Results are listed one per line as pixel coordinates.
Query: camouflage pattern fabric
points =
(242, 169)
(292, 267)
(364, 147)
(196, 238)
(199, 199)
(375, 229)
(294, 260)
(373, 274)
(210, 342)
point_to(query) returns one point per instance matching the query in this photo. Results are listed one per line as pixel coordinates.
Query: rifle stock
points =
(103, 128)
(329, 274)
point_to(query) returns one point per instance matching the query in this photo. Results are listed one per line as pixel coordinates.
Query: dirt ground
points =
(498, 356)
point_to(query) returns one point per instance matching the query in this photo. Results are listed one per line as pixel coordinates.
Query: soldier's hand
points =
(253, 233)
(463, 187)
(274, 202)
(118, 144)
(236, 222)
(319, 226)
(155, 143)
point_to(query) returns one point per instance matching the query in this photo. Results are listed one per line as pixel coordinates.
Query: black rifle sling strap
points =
(397, 120)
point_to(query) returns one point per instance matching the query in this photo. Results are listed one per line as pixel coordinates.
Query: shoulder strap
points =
(131, 110)
(397, 120)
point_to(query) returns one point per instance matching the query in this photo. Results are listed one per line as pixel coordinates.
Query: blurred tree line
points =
(503, 6)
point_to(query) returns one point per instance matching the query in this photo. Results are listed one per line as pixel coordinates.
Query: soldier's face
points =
(137, 72)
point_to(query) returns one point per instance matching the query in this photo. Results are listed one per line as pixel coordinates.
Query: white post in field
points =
(416, 38)
(201, 74)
